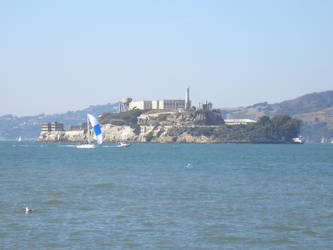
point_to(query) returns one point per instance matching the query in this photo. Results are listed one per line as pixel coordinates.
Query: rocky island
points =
(175, 126)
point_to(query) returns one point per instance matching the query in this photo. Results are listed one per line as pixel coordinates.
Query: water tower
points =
(125, 104)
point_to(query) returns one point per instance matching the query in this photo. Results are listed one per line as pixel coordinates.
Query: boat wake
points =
(68, 146)
(28, 145)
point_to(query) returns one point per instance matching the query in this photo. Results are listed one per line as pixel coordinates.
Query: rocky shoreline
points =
(112, 133)
(148, 134)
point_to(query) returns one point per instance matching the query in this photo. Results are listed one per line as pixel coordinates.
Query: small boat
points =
(299, 140)
(97, 133)
(28, 210)
(19, 139)
(123, 145)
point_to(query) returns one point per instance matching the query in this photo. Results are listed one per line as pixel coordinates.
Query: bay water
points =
(166, 196)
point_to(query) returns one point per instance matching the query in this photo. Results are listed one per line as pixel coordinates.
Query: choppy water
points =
(166, 196)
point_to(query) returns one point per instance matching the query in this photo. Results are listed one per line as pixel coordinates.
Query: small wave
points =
(85, 208)
(28, 145)
(101, 187)
(16, 226)
(104, 185)
(53, 202)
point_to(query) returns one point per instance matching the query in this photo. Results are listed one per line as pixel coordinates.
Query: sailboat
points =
(97, 131)
(19, 139)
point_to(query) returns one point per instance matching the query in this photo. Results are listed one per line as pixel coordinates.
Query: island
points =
(181, 126)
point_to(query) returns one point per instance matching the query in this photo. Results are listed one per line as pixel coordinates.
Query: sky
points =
(57, 56)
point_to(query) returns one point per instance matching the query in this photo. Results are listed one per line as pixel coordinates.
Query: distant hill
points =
(28, 127)
(306, 104)
(315, 110)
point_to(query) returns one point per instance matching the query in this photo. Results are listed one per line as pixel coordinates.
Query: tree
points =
(286, 127)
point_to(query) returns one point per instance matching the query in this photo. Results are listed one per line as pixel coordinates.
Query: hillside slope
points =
(28, 127)
(315, 110)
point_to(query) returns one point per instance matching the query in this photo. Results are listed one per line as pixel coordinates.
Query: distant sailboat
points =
(19, 139)
(97, 133)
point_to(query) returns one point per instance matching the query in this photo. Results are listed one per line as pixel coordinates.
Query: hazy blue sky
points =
(57, 56)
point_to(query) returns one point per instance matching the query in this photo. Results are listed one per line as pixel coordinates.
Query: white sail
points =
(97, 129)
(97, 132)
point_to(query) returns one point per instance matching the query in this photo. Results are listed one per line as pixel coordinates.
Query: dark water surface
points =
(166, 196)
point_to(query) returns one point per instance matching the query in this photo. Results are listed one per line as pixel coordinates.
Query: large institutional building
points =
(128, 104)
(53, 126)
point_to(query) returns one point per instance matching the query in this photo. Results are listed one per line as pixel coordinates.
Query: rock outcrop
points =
(112, 133)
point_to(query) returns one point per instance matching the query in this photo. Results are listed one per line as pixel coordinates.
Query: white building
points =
(171, 104)
(155, 104)
(159, 104)
(143, 105)
(238, 121)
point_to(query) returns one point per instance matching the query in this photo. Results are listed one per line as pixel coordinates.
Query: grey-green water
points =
(166, 196)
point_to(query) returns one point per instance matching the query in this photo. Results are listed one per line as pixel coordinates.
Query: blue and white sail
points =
(97, 128)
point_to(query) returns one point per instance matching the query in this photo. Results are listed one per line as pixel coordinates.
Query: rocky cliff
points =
(114, 133)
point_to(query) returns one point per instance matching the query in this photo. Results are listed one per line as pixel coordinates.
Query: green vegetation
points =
(280, 129)
(206, 131)
(315, 110)
(125, 118)
(118, 122)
